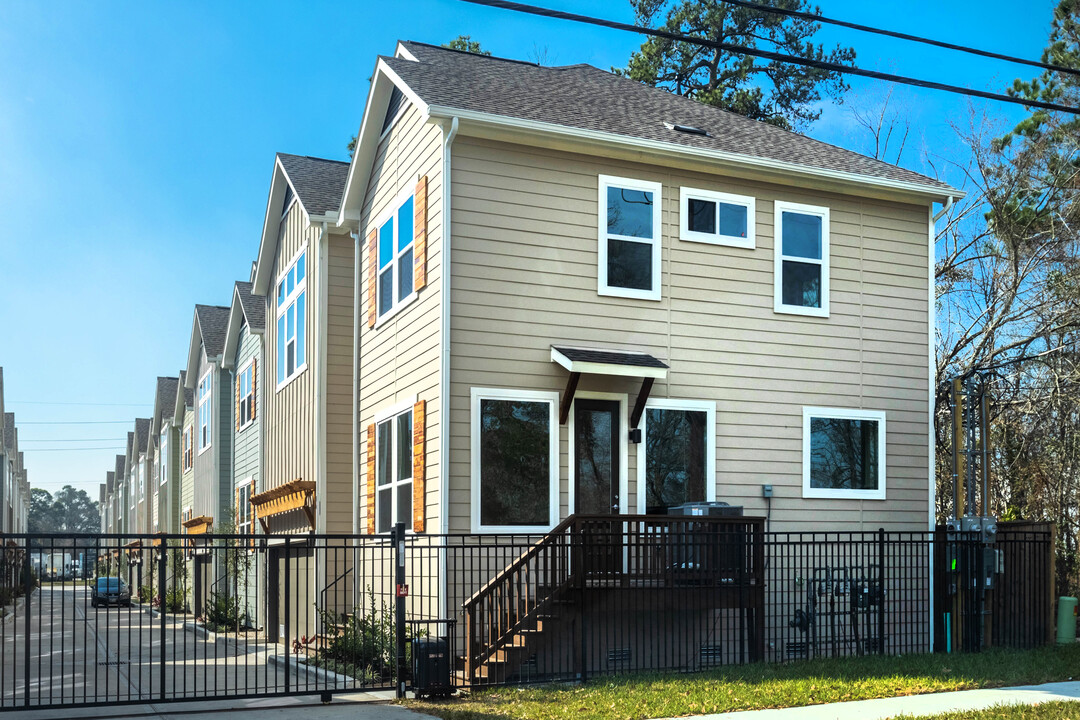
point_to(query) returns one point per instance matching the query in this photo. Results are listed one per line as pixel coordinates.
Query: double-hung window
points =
(515, 460)
(843, 453)
(394, 467)
(245, 513)
(246, 392)
(801, 263)
(140, 473)
(716, 218)
(395, 258)
(677, 459)
(629, 227)
(187, 450)
(291, 320)
(205, 408)
(154, 513)
(163, 458)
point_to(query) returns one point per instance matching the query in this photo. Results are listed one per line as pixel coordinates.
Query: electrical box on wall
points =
(766, 491)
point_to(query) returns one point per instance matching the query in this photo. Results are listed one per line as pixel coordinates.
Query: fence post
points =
(28, 589)
(162, 557)
(881, 581)
(288, 647)
(399, 604)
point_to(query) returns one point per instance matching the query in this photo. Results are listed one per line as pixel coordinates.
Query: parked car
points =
(108, 590)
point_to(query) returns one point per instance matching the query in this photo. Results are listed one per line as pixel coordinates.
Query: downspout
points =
(320, 390)
(444, 370)
(941, 213)
(356, 385)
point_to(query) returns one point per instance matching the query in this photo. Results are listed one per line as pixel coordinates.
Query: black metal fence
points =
(118, 619)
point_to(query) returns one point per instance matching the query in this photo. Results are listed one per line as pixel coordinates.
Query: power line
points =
(77, 422)
(84, 404)
(769, 55)
(26, 440)
(122, 447)
(903, 36)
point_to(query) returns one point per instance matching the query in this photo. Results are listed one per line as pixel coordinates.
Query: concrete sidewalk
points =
(915, 705)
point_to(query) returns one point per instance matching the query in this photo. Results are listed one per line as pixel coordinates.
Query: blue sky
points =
(137, 140)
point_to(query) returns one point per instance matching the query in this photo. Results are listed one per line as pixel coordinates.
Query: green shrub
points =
(145, 593)
(222, 612)
(363, 640)
(175, 600)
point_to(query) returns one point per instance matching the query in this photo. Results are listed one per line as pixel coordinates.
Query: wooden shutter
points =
(373, 278)
(419, 465)
(371, 479)
(254, 386)
(420, 234)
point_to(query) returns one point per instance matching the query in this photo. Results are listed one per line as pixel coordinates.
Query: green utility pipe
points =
(1066, 620)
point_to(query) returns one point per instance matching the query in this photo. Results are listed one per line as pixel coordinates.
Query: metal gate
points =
(111, 619)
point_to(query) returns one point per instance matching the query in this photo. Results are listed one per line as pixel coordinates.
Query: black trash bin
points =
(431, 667)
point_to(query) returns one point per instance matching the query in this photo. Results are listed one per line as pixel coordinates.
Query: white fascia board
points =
(403, 52)
(232, 330)
(194, 351)
(268, 243)
(720, 157)
(367, 141)
(594, 368)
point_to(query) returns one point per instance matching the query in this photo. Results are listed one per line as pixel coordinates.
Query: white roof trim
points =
(367, 140)
(595, 368)
(271, 224)
(719, 156)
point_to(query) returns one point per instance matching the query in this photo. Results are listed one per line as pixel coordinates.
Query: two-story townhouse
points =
(141, 480)
(121, 499)
(7, 467)
(643, 301)
(184, 418)
(212, 385)
(108, 521)
(243, 356)
(304, 270)
(164, 446)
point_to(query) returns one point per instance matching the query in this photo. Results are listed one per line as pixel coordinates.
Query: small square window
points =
(801, 265)
(716, 218)
(843, 453)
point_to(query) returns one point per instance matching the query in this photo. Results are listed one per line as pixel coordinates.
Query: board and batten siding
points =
(213, 467)
(525, 277)
(400, 358)
(246, 441)
(187, 477)
(289, 422)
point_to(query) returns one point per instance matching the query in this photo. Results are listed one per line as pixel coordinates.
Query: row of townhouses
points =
(14, 486)
(540, 291)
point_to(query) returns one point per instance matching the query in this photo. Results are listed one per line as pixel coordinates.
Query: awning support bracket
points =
(639, 409)
(568, 397)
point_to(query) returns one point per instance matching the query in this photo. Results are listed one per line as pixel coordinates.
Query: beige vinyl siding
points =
(400, 358)
(525, 277)
(337, 506)
(289, 422)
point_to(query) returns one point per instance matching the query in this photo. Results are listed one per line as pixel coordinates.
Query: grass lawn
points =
(1046, 711)
(763, 685)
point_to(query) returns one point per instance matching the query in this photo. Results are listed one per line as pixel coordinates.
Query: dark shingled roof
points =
(110, 480)
(121, 463)
(130, 444)
(610, 357)
(253, 306)
(213, 321)
(166, 398)
(587, 98)
(189, 395)
(9, 431)
(142, 433)
(317, 182)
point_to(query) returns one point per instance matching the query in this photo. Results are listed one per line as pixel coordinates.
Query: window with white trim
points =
(843, 453)
(394, 468)
(395, 251)
(140, 473)
(629, 226)
(716, 218)
(677, 455)
(515, 460)
(163, 457)
(246, 407)
(291, 320)
(187, 450)
(245, 513)
(205, 403)
(154, 513)
(801, 259)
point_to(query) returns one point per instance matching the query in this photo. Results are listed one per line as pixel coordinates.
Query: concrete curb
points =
(228, 641)
(315, 675)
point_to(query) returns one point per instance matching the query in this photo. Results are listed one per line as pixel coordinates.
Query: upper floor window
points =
(843, 453)
(245, 393)
(395, 261)
(154, 513)
(140, 473)
(245, 513)
(801, 259)
(205, 407)
(629, 226)
(187, 450)
(716, 218)
(394, 468)
(291, 317)
(163, 457)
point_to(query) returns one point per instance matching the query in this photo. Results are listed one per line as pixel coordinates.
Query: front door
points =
(597, 468)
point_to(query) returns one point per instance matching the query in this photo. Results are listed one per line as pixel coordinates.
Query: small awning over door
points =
(601, 361)
(294, 495)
